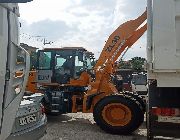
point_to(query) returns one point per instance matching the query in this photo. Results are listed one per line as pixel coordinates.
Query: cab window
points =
(44, 60)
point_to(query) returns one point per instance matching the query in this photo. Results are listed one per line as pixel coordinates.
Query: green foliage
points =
(124, 65)
(135, 63)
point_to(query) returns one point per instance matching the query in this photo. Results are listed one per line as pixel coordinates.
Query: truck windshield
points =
(139, 79)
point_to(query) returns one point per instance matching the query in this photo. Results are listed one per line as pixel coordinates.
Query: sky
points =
(78, 23)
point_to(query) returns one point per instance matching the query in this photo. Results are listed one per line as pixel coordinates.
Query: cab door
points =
(44, 67)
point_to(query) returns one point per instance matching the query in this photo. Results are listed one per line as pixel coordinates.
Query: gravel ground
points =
(80, 126)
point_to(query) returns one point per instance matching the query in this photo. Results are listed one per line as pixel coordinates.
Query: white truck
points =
(139, 84)
(163, 66)
(12, 87)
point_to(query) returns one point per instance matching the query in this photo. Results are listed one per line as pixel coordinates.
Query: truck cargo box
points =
(163, 49)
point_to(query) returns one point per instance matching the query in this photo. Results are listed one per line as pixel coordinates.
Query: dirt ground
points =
(81, 126)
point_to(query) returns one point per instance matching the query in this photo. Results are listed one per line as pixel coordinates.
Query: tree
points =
(137, 63)
(124, 65)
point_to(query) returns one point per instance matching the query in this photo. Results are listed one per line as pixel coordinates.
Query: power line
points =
(37, 38)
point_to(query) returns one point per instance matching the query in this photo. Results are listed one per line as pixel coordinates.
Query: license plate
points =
(169, 119)
(27, 119)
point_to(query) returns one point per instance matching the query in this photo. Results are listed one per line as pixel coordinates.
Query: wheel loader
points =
(71, 84)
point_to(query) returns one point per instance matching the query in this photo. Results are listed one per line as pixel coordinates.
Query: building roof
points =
(28, 48)
(66, 48)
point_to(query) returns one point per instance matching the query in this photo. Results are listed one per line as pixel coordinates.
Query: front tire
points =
(118, 115)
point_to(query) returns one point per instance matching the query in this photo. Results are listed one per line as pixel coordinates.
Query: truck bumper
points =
(164, 128)
(33, 133)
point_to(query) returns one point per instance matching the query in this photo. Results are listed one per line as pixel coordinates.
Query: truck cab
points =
(15, 113)
(11, 86)
(139, 84)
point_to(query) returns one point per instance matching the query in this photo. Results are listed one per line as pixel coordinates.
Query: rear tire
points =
(138, 99)
(126, 122)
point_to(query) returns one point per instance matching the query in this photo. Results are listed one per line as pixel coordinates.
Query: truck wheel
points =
(118, 115)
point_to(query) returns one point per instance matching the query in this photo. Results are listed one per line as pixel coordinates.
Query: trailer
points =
(163, 68)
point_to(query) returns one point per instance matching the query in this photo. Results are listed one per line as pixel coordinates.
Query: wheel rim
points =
(116, 114)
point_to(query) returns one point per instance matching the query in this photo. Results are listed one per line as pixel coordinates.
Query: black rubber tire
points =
(136, 120)
(47, 107)
(138, 99)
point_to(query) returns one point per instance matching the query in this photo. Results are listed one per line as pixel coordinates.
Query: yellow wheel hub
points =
(116, 114)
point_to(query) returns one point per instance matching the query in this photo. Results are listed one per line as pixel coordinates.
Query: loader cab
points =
(62, 64)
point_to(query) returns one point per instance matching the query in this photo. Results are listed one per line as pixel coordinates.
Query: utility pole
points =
(46, 43)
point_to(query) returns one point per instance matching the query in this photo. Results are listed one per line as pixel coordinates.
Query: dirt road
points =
(81, 126)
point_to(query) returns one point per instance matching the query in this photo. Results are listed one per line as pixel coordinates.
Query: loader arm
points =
(120, 37)
(128, 44)
(120, 40)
